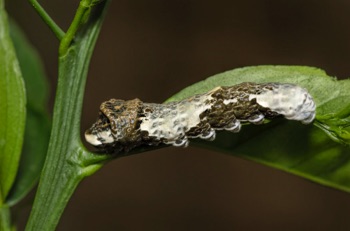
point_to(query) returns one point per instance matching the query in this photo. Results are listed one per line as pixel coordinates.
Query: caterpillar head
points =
(117, 125)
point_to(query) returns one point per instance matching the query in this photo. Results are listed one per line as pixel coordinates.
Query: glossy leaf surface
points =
(37, 131)
(12, 108)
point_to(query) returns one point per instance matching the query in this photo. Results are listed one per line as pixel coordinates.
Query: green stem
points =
(5, 224)
(47, 19)
(67, 161)
(79, 18)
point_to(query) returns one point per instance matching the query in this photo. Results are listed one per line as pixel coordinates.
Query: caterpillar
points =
(124, 125)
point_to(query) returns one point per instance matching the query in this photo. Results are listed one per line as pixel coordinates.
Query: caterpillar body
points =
(124, 125)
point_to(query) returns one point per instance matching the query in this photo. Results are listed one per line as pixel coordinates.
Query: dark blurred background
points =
(152, 49)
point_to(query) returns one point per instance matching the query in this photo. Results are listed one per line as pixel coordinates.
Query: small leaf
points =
(37, 131)
(288, 145)
(12, 109)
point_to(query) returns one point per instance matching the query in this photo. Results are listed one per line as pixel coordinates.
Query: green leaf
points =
(12, 109)
(37, 131)
(32, 69)
(304, 150)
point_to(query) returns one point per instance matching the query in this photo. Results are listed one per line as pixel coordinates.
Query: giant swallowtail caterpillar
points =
(124, 125)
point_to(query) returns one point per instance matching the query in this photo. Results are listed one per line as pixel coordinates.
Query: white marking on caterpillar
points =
(295, 103)
(124, 125)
